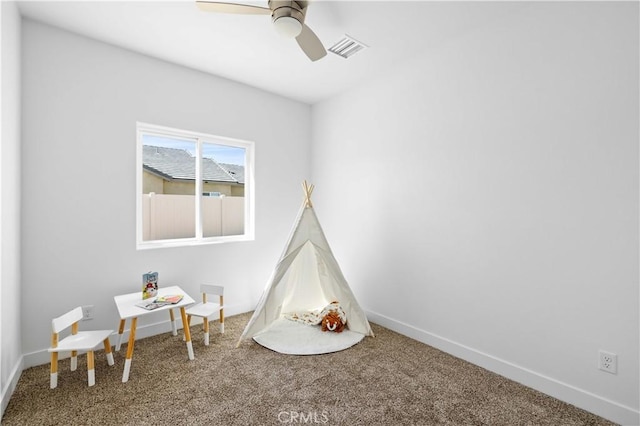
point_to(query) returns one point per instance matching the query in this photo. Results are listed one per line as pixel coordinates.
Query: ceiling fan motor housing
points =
(288, 9)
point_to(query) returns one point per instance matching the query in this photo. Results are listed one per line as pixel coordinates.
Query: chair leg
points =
(222, 321)
(91, 372)
(53, 380)
(74, 360)
(205, 325)
(107, 351)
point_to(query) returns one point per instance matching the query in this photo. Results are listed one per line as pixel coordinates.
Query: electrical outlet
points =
(608, 362)
(87, 312)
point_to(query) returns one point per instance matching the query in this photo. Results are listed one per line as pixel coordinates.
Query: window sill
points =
(191, 242)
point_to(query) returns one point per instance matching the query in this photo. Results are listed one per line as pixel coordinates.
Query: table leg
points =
(174, 329)
(132, 340)
(187, 332)
(120, 332)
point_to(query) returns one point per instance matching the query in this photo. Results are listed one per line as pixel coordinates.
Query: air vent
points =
(347, 47)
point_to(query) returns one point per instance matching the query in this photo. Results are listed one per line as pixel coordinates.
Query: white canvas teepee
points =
(307, 277)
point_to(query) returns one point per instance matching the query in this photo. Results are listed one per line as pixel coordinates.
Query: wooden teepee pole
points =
(308, 189)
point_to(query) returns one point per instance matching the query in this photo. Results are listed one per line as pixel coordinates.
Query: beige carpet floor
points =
(386, 380)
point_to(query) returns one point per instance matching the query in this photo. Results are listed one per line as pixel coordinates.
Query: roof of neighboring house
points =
(171, 163)
(234, 170)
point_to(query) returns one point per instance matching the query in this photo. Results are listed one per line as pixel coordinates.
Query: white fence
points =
(168, 216)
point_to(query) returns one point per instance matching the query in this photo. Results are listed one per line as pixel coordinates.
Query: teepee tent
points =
(307, 277)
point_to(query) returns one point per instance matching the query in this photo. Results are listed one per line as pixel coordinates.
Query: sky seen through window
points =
(220, 153)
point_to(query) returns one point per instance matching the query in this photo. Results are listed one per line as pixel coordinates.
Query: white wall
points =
(81, 101)
(483, 197)
(10, 347)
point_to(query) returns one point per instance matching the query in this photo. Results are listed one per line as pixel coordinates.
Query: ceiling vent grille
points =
(347, 47)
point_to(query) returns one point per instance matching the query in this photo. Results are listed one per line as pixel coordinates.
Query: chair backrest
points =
(212, 289)
(66, 320)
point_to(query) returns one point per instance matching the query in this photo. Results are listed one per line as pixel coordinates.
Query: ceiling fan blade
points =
(310, 44)
(220, 7)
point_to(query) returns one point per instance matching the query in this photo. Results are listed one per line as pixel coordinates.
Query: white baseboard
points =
(588, 401)
(7, 391)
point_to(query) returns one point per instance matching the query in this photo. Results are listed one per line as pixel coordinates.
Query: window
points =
(172, 167)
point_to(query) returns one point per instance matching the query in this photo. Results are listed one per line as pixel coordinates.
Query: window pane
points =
(168, 187)
(222, 190)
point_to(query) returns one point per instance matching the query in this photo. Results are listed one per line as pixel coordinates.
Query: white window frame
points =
(199, 139)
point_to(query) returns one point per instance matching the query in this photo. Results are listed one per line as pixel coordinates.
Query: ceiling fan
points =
(287, 16)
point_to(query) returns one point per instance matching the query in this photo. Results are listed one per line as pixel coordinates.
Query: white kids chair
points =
(76, 341)
(206, 309)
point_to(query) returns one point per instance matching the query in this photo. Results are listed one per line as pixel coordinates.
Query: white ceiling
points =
(246, 48)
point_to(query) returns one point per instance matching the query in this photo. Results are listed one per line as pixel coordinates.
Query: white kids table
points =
(127, 309)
